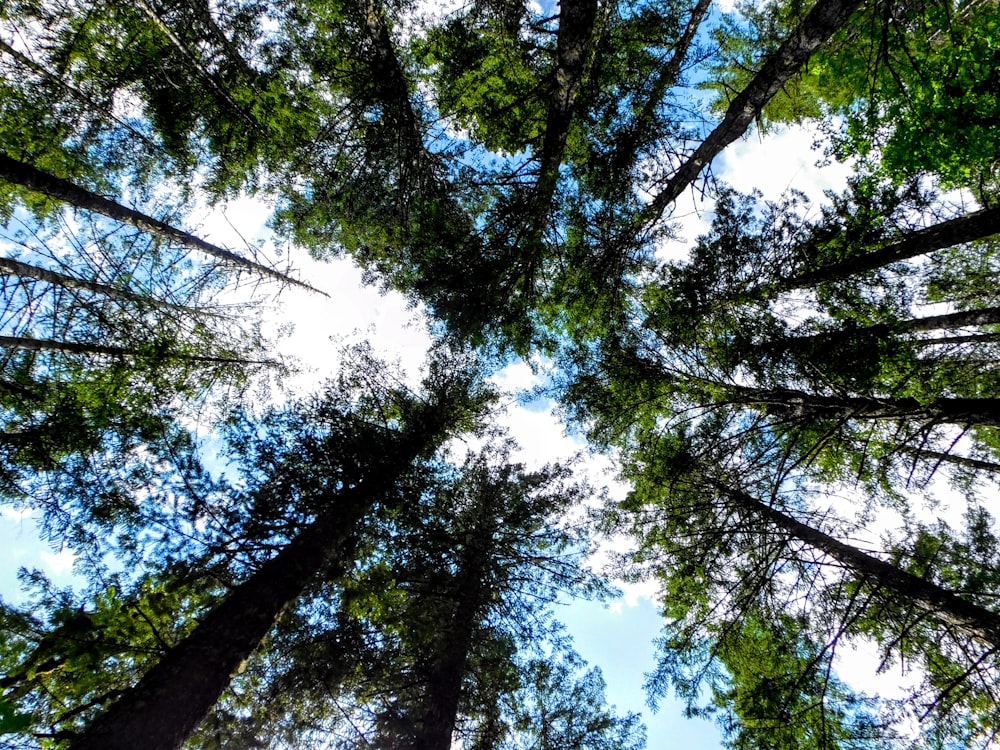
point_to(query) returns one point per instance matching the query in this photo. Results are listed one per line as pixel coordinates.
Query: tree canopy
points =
(790, 401)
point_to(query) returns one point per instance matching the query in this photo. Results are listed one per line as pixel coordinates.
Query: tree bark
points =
(574, 50)
(27, 176)
(75, 347)
(929, 597)
(169, 702)
(825, 18)
(445, 680)
(974, 226)
(939, 457)
(27, 271)
(961, 411)
(947, 321)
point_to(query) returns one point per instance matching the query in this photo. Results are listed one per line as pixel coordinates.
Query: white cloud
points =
(781, 160)
(58, 564)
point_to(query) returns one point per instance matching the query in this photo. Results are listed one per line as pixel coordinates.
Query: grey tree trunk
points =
(940, 603)
(27, 176)
(975, 226)
(826, 17)
(169, 702)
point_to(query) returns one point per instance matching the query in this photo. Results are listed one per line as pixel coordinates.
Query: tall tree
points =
(172, 698)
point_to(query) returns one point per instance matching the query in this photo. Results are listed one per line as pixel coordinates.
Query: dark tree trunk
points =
(929, 597)
(939, 457)
(947, 321)
(826, 17)
(29, 177)
(169, 702)
(968, 228)
(574, 45)
(628, 142)
(445, 680)
(961, 411)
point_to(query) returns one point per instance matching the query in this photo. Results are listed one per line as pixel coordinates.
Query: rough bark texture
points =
(962, 411)
(577, 19)
(826, 17)
(169, 702)
(939, 602)
(968, 228)
(445, 680)
(947, 321)
(29, 177)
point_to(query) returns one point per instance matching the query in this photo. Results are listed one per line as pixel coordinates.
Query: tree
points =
(757, 603)
(893, 68)
(485, 556)
(435, 589)
(27, 176)
(107, 335)
(167, 704)
(515, 172)
(751, 420)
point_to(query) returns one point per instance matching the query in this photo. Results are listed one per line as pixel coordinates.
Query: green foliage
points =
(913, 83)
(489, 74)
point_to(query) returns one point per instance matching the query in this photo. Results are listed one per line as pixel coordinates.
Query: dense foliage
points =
(801, 376)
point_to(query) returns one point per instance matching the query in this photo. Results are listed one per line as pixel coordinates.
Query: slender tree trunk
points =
(825, 18)
(29, 177)
(924, 454)
(169, 702)
(937, 601)
(947, 321)
(974, 226)
(446, 677)
(74, 347)
(213, 79)
(628, 142)
(961, 411)
(24, 270)
(76, 93)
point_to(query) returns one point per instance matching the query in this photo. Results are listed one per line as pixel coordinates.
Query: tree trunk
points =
(74, 347)
(446, 677)
(26, 271)
(826, 17)
(975, 226)
(927, 596)
(960, 411)
(213, 79)
(390, 82)
(940, 457)
(34, 179)
(169, 702)
(947, 321)
(77, 94)
(628, 142)
(574, 50)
